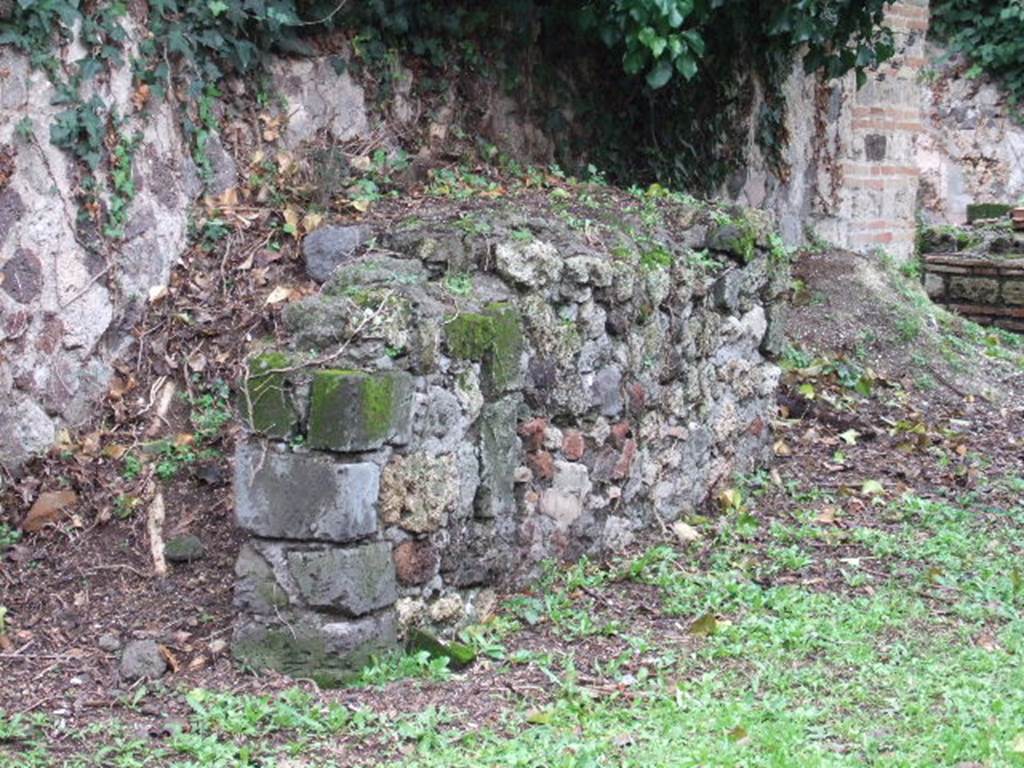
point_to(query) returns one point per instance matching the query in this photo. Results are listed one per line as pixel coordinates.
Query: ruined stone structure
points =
(977, 271)
(475, 394)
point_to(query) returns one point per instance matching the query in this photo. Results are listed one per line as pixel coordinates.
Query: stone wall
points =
(480, 391)
(70, 298)
(977, 272)
(973, 148)
(67, 298)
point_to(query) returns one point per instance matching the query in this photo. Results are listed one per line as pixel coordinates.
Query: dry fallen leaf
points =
(685, 533)
(172, 660)
(827, 516)
(987, 642)
(114, 451)
(141, 96)
(279, 294)
(47, 509)
(312, 221)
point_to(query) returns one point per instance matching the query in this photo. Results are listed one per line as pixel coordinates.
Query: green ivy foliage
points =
(659, 90)
(989, 33)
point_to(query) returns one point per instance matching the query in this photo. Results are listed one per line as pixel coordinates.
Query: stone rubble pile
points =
(465, 400)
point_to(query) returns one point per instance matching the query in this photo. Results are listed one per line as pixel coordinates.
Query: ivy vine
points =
(988, 33)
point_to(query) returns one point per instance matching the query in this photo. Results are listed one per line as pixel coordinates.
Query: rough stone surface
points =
(352, 581)
(971, 147)
(327, 248)
(320, 99)
(63, 317)
(416, 562)
(499, 457)
(142, 660)
(304, 497)
(266, 402)
(418, 491)
(327, 652)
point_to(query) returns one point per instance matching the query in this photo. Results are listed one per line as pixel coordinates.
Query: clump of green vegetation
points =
(656, 257)
(985, 31)
(8, 538)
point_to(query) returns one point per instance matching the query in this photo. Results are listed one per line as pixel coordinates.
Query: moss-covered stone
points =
(735, 236)
(330, 654)
(184, 549)
(265, 401)
(459, 655)
(493, 338)
(356, 411)
(978, 211)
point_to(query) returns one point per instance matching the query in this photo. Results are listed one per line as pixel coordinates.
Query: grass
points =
(892, 642)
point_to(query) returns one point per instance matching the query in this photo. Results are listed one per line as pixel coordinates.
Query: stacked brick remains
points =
(977, 271)
(878, 193)
(851, 153)
(475, 394)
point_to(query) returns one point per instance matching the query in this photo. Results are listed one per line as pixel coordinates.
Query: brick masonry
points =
(878, 192)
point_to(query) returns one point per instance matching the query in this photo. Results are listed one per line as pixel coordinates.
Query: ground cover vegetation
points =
(857, 604)
(838, 610)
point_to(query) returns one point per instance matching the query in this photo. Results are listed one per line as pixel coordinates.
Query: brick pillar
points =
(878, 192)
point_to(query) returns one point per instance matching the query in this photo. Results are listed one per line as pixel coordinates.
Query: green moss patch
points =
(356, 411)
(265, 402)
(459, 655)
(978, 211)
(493, 338)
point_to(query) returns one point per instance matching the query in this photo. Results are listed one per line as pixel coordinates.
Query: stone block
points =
(1013, 292)
(563, 501)
(499, 458)
(934, 285)
(266, 403)
(305, 647)
(979, 290)
(418, 491)
(726, 290)
(352, 581)
(304, 497)
(257, 590)
(416, 562)
(533, 265)
(606, 391)
(493, 338)
(327, 248)
(351, 411)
